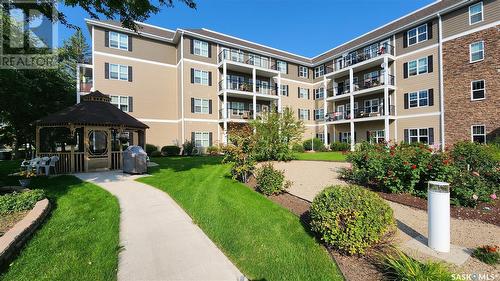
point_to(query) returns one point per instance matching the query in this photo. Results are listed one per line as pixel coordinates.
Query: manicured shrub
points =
(240, 154)
(213, 150)
(340, 146)
(150, 148)
(170, 150)
(188, 148)
(297, 147)
(20, 201)
(488, 254)
(399, 266)
(269, 180)
(350, 218)
(314, 144)
(156, 153)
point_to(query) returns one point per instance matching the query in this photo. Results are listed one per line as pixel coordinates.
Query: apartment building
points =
(431, 76)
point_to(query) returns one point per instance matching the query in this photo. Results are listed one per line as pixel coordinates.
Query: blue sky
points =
(281, 24)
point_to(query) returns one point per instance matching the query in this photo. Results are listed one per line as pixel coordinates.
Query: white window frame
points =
(321, 136)
(119, 104)
(418, 136)
(120, 45)
(345, 137)
(369, 104)
(303, 71)
(281, 66)
(201, 106)
(418, 98)
(202, 139)
(284, 90)
(200, 48)
(417, 34)
(472, 89)
(304, 114)
(303, 93)
(199, 77)
(319, 93)
(377, 135)
(418, 64)
(470, 14)
(472, 134)
(319, 114)
(319, 71)
(119, 74)
(482, 51)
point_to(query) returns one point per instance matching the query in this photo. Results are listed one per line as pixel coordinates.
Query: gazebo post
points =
(85, 149)
(72, 153)
(37, 140)
(110, 166)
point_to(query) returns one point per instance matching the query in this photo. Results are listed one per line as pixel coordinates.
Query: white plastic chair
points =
(43, 163)
(30, 165)
(52, 164)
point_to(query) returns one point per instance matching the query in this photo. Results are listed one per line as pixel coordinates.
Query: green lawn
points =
(264, 240)
(335, 156)
(79, 239)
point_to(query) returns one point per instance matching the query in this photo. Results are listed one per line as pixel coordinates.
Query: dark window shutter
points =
(130, 43)
(210, 78)
(287, 68)
(106, 38)
(367, 135)
(209, 106)
(298, 92)
(298, 113)
(431, 136)
(192, 46)
(328, 137)
(130, 74)
(130, 104)
(406, 136)
(308, 94)
(210, 139)
(287, 93)
(106, 70)
(405, 39)
(209, 50)
(192, 75)
(431, 97)
(406, 101)
(340, 136)
(192, 105)
(192, 137)
(429, 64)
(429, 30)
(355, 137)
(308, 115)
(405, 70)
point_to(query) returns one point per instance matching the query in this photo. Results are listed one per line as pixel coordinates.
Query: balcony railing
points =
(360, 85)
(85, 87)
(246, 85)
(360, 56)
(246, 58)
(239, 114)
(373, 111)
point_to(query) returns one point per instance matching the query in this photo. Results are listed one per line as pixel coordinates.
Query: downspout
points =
(441, 83)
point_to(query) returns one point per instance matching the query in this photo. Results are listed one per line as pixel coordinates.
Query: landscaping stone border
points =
(15, 238)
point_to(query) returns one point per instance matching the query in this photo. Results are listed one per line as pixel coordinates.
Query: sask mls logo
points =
(28, 34)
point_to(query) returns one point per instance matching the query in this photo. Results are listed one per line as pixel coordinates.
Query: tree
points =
(275, 133)
(240, 153)
(127, 11)
(75, 50)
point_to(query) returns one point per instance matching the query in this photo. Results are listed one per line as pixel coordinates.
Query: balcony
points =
(368, 83)
(246, 58)
(360, 56)
(239, 114)
(374, 111)
(85, 78)
(85, 87)
(246, 85)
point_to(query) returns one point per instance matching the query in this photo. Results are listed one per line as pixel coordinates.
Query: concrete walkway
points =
(159, 240)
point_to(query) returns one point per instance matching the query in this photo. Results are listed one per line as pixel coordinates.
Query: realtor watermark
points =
(29, 32)
(475, 276)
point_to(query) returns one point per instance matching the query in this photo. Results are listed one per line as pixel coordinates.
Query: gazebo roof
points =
(94, 109)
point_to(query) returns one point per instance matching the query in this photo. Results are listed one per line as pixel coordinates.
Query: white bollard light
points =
(438, 212)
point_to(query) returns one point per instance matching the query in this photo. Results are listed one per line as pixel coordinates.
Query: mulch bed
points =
(7, 221)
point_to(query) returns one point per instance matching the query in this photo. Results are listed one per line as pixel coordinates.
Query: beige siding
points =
(211, 127)
(162, 133)
(142, 48)
(200, 91)
(188, 55)
(458, 21)
(400, 50)
(420, 122)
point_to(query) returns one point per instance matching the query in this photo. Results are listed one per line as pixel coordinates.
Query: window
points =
(236, 55)
(303, 114)
(477, 90)
(476, 51)
(417, 67)
(345, 137)
(371, 51)
(319, 93)
(303, 71)
(372, 106)
(476, 13)
(478, 133)
(319, 71)
(201, 106)
(202, 139)
(418, 99)
(377, 136)
(417, 35)
(303, 93)
(321, 136)
(200, 48)
(319, 114)
(121, 102)
(419, 135)
(201, 77)
(118, 72)
(282, 67)
(118, 40)
(259, 61)
(284, 90)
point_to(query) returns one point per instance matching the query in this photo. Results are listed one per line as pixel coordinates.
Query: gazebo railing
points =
(64, 165)
(116, 160)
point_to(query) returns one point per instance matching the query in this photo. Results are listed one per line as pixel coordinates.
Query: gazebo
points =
(88, 136)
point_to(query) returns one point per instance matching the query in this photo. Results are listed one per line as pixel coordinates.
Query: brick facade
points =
(458, 73)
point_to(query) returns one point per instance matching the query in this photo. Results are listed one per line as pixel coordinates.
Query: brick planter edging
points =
(12, 241)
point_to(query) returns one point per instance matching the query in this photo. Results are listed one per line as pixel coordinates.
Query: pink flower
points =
(413, 166)
(475, 174)
(493, 196)
(474, 197)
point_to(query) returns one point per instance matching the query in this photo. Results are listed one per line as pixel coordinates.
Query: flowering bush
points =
(270, 181)
(489, 254)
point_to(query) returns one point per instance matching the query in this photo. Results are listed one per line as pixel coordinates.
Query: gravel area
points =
(310, 177)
